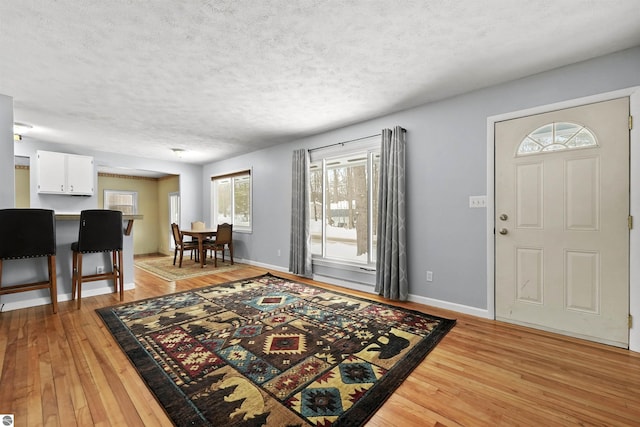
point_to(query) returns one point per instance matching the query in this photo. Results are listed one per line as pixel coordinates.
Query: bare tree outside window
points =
(315, 210)
(222, 202)
(242, 201)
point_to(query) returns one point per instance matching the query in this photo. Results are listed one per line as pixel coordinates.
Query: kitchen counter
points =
(71, 216)
(75, 216)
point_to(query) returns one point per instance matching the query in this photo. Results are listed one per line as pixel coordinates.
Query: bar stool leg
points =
(79, 278)
(53, 283)
(121, 274)
(74, 275)
(118, 279)
(114, 272)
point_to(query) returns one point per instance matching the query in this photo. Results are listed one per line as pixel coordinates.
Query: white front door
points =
(561, 226)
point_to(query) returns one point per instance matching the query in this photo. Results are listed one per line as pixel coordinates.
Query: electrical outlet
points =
(429, 276)
(477, 201)
(278, 252)
(100, 269)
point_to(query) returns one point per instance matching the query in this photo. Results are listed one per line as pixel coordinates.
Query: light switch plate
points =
(477, 201)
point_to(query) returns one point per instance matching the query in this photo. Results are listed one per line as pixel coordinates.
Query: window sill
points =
(243, 231)
(347, 266)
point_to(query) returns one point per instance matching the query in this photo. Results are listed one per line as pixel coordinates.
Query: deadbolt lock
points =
(504, 217)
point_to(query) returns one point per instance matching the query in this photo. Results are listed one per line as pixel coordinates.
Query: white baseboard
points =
(262, 265)
(445, 305)
(473, 311)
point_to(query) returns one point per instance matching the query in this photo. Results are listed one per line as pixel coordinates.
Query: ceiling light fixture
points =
(178, 152)
(21, 128)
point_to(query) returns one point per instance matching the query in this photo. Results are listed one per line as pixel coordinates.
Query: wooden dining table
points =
(201, 234)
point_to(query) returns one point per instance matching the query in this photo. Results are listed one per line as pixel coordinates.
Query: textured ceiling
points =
(220, 78)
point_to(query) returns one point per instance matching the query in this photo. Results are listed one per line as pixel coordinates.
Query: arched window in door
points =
(557, 136)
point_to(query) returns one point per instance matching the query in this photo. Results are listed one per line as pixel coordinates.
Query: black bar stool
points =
(29, 233)
(100, 231)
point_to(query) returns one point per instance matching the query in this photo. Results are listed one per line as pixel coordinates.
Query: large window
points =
(231, 196)
(344, 202)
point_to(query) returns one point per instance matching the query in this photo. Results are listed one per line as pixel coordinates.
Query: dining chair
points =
(198, 225)
(224, 237)
(100, 231)
(29, 233)
(180, 244)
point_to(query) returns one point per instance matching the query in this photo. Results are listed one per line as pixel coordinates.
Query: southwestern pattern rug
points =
(268, 351)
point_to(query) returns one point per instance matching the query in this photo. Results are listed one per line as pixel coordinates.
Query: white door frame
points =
(634, 202)
(172, 244)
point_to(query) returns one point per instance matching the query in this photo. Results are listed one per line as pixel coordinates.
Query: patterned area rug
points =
(268, 351)
(163, 267)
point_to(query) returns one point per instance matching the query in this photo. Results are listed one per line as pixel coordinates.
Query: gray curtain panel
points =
(300, 252)
(391, 259)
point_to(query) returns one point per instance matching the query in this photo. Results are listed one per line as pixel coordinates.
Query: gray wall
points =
(446, 163)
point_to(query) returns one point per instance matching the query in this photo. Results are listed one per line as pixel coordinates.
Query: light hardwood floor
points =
(66, 370)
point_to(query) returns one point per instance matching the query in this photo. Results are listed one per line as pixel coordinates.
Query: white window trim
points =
(246, 230)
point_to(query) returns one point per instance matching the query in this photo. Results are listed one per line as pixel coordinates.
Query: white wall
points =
(446, 163)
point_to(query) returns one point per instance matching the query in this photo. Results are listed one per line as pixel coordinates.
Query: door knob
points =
(504, 217)
(503, 231)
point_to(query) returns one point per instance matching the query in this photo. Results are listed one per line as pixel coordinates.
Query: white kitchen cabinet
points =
(80, 174)
(61, 173)
(51, 172)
